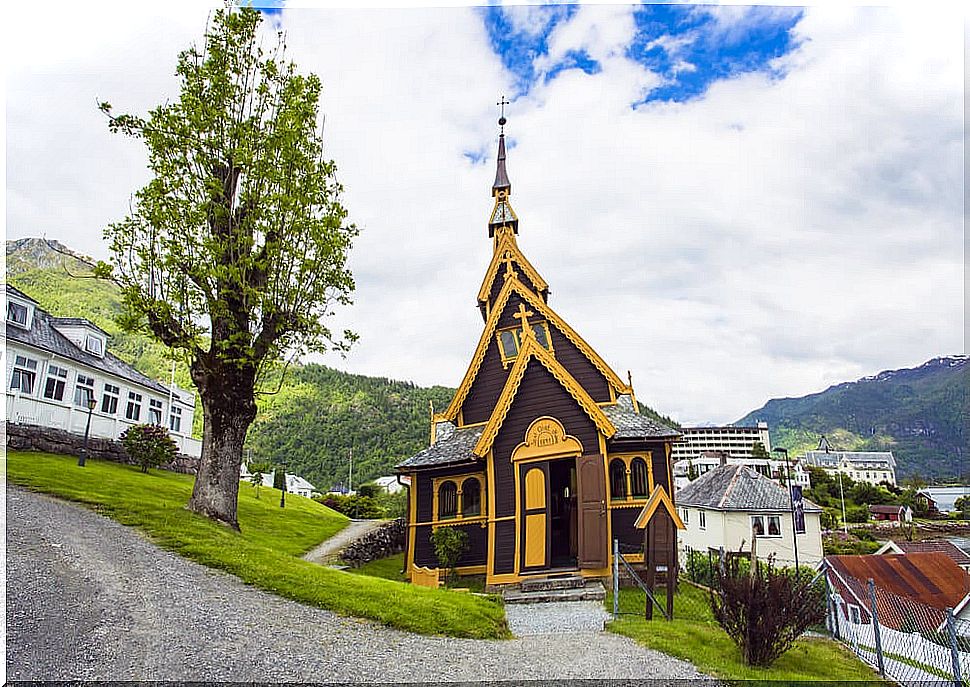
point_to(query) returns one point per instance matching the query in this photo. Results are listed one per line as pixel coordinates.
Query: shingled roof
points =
(453, 446)
(738, 487)
(632, 425)
(42, 335)
(930, 578)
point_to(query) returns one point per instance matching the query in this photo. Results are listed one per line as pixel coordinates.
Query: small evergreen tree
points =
(149, 445)
(256, 471)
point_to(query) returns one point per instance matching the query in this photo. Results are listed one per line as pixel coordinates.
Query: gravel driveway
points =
(89, 599)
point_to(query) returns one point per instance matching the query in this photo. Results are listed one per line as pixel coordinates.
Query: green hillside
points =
(314, 419)
(920, 414)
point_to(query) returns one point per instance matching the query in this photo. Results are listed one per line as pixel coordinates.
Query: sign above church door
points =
(546, 438)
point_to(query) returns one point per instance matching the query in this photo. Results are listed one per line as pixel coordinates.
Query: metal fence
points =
(906, 641)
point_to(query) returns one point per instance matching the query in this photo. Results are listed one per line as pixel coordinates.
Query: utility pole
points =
(791, 503)
(350, 477)
(845, 525)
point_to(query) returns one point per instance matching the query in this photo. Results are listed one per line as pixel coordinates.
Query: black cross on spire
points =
(501, 120)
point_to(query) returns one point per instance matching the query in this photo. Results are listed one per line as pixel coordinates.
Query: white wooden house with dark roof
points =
(733, 504)
(55, 364)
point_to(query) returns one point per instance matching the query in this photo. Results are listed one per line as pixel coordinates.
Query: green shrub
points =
(257, 469)
(449, 544)
(148, 446)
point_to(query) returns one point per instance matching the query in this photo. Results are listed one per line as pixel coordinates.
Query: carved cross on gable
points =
(509, 272)
(523, 315)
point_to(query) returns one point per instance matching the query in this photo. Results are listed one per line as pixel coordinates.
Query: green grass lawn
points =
(265, 553)
(693, 635)
(390, 569)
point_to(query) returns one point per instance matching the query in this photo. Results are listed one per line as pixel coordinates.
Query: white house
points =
(294, 483)
(769, 467)
(54, 365)
(873, 467)
(732, 505)
(391, 485)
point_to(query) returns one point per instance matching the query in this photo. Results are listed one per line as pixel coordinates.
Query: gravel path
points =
(329, 549)
(90, 599)
(557, 618)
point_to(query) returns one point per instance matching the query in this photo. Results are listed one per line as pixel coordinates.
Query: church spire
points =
(502, 214)
(502, 182)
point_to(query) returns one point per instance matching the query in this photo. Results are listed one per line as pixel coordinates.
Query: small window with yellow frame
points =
(459, 498)
(631, 478)
(510, 340)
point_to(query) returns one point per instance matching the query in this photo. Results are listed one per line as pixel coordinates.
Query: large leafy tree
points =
(235, 252)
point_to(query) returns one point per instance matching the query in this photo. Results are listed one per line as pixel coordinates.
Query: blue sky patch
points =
(688, 46)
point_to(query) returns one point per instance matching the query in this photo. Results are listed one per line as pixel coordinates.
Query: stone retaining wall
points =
(386, 540)
(23, 437)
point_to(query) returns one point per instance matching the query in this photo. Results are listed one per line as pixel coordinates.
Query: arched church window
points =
(471, 497)
(617, 479)
(447, 500)
(639, 485)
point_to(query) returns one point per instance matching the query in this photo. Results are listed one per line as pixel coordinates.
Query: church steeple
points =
(502, 214)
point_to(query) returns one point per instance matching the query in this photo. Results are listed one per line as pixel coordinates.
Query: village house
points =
(890, 513)
(294, 483)
(912, 590)
(874, 467)
(691, 468)
(542, 457)
(942, 500)
(735, 506)
(57, 367)
(944, 546)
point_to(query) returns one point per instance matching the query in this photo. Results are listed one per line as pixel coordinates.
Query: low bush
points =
(148, 446)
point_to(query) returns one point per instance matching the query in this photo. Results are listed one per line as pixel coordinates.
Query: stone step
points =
(592, 590)
(541, 584)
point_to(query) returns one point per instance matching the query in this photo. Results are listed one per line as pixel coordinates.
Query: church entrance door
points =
(563, 516)
(593, 537)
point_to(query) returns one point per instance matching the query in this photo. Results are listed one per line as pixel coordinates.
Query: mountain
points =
(311, 419)
(920, 413)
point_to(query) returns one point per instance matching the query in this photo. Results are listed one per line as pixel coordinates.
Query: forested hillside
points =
(921, 414)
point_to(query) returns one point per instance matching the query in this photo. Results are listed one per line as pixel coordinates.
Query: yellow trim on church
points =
(658, 498)
(506, 249)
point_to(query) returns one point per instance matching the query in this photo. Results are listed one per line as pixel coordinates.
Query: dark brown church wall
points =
(505, 547)
(508, 318)
(425, 494)
(476, 554)
(622, 519)
(499, 282)
(580, 367)
(539, 394)
(486, 388)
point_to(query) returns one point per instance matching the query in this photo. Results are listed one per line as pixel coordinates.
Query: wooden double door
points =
(563, 505)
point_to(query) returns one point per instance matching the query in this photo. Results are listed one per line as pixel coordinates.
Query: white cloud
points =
(768, 239)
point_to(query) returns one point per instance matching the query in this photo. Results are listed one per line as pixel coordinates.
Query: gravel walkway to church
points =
(89, 599)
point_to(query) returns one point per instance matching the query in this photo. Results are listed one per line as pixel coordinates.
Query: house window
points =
(617, 480)
(510, 340)
(854, 615)
(83, 390)
(175, 420)
(133, 409)
(155, 411)
(93, 344)
(471, 497)
(56, 380)
(639, 485)
(109, 402)
(766, 525)
(685, 515)
(24, 374)
(447, 500)
(702, 519)
(17, 313)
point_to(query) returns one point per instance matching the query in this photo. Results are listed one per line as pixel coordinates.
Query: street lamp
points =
(91, 402)
(282, 467)
(791, 504)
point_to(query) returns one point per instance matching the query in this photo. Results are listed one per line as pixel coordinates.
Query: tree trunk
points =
(229, 407)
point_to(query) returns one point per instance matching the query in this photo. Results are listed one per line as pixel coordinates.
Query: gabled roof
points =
(738, 488)
(944, 546)
(453, 446)
(883, 509)
(513, 285)
(20, 294)
(508, 247)
(930, 578)
(44, 336)
(531, 350)
(658, 499)
(77, 322)
(632, 425)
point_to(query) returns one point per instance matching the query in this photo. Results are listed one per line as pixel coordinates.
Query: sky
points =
(734, 203)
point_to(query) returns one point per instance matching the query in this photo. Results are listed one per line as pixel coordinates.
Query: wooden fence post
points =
(951, 628)
(874, 613)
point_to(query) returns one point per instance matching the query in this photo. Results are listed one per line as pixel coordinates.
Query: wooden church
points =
(542, 458)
